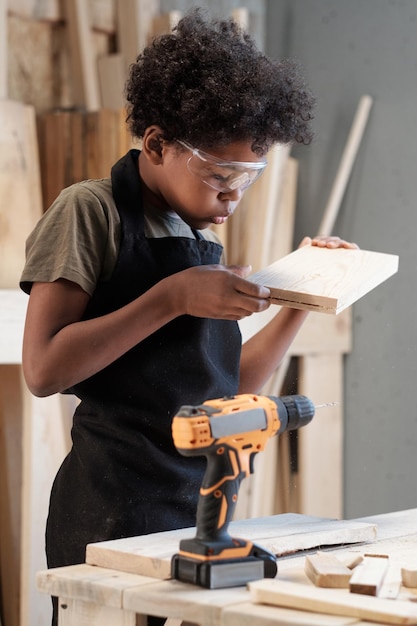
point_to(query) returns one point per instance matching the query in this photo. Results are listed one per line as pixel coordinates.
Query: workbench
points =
(96, 596)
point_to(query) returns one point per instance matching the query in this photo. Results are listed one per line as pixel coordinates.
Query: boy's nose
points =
(233, 194)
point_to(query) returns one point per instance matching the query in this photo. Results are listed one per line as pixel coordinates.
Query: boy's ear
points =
(152, 144)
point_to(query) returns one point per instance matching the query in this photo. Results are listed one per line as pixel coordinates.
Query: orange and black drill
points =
(229, 432)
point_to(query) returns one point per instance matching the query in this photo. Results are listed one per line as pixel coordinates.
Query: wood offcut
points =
(369, 575)
(325, 570)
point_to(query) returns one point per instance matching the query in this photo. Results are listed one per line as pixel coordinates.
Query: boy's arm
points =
(60, 348)
(263, 352)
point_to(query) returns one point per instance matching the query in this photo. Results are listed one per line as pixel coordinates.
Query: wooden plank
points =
(103, 15)
(174, 599)
(35, 9)
(248, 614)
(241, 16)
(89, 584)
(282, 235)
(325, 570)
(45, 443)
(102, 142)
(333, 602)
(134, 25)
(369, 575)
(55, 149)
(323, 280)
(20, 185)
(320, 450)
(11, 426)
(3, 51)
(112, 78)
(262, 494)
(82, 55)
(150, 555)
(345, 166)
(78, 162)
(13, 305)
(164, 23)
(259, 205)
(81, 613)
(102, 12)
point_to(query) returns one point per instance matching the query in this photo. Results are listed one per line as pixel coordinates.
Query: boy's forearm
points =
(263, 352)
(54, 360)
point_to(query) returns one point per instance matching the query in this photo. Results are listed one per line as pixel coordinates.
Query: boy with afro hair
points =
(131, 307)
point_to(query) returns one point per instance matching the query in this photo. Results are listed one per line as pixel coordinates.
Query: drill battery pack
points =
(223, 573)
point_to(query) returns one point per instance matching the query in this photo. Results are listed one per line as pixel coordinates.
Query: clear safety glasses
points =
(222, 175)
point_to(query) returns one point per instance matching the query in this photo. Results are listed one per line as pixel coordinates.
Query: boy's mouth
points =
(220, 219)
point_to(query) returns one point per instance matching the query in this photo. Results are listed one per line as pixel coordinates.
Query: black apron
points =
(123, 476)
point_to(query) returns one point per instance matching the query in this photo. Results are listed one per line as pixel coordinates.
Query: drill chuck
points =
(294, 411)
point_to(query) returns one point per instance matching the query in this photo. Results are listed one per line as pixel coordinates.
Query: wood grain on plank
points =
(325, 280)
(150, 555)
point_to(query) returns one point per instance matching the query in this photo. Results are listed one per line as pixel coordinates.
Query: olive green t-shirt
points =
(78, 237)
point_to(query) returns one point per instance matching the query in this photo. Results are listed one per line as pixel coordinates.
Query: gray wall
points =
(351, 48)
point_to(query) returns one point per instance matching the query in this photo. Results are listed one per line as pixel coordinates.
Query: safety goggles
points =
(222, 175)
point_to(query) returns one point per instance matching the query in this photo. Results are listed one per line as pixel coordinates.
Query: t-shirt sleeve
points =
(69, 241)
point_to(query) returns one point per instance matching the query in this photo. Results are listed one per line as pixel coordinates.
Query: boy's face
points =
(197, 189)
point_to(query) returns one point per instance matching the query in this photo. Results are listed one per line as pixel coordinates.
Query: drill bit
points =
(326, 404)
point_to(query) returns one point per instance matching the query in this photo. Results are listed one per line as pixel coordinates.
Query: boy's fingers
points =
(240, 270)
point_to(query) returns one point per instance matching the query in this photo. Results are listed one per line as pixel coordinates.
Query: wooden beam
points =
(323, 280)
(345, 166)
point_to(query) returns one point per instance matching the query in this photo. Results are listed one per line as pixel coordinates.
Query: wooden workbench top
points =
(100, 596)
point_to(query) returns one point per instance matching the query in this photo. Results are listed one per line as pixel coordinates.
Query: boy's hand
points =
(323, 241)
(220, 292)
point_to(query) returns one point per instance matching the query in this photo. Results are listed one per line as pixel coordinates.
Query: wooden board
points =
(324, 280)
(13, 305)
(332, 601)
(19, 187)
(150, 555)
(85, 85)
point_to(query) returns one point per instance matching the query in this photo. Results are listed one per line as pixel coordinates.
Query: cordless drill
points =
(229, 432)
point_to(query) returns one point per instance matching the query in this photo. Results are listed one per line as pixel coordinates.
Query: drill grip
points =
(218, 493)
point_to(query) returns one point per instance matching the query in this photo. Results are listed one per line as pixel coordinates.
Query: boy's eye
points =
(215, 174)
(219, 178)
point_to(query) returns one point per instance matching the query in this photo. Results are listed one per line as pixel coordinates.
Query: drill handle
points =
(218, 493)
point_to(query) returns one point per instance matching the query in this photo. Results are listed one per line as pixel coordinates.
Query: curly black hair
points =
(208, 84)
